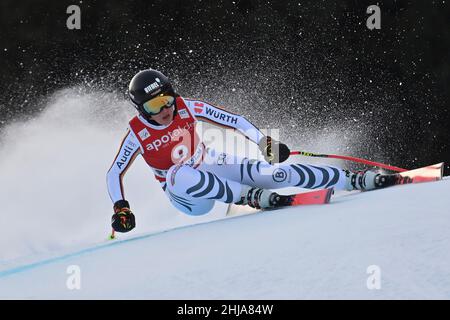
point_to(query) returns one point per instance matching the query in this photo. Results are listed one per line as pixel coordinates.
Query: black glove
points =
(273, 150)
(123, 219)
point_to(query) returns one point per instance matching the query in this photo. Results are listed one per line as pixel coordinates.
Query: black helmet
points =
(146, 85)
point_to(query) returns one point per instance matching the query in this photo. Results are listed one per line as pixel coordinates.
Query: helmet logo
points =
(153, 86)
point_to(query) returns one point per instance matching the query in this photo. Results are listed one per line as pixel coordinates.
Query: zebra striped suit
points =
(221, 177)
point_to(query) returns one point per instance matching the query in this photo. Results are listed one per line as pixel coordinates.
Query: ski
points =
(424, 174)
(321, 196)
(419, 175)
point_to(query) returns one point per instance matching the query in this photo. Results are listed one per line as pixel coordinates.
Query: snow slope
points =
(295, 253)
(56, 213)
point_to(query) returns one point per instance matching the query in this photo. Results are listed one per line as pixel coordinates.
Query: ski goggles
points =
(157, 104)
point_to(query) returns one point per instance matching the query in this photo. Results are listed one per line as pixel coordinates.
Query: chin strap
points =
(153, 122)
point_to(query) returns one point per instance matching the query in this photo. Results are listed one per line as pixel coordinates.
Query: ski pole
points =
(354, 159)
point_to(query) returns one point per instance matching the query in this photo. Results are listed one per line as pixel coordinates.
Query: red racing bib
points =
(174, 144)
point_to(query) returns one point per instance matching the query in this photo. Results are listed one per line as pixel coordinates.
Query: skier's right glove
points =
(273, 151)
(123, 219)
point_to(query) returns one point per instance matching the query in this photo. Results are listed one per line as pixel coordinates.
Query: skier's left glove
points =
(273, 150)
(123, 219)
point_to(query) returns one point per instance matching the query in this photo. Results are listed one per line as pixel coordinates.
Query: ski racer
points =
(193, 176)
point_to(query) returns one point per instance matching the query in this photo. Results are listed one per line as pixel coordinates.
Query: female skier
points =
(193, 176)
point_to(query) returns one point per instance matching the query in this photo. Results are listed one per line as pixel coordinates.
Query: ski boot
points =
(369, 180)
(262, 198)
